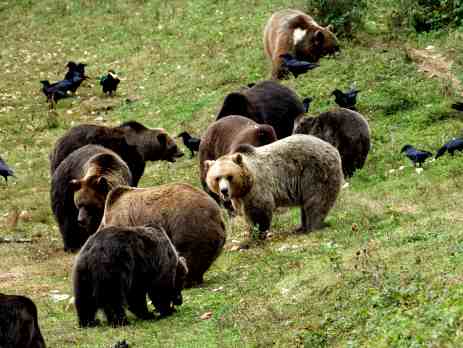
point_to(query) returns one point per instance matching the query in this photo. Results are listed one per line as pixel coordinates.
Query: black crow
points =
(190, 142)
(5, 171)
(296, 67)
(109, 82)
(452, 146)
(121, 344)
(346, 100)
(56, 91)
(75, 74)
(416, 156)
(458, 106)
(306, 102)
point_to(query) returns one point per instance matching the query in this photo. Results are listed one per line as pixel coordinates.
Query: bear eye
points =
(229, 178)
(217, 179)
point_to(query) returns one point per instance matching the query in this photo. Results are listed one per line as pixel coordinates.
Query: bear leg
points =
(84, 301)
(260, 218)
(312, 217)
(137, 305)
(115, 315)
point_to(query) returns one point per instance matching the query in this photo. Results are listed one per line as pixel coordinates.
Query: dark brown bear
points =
(267, 102)
(225, 135)
(190, 217)
(132, 141)
(119, 266)
(19, 327)
(78, 191)
(346, 130)
(296, 33)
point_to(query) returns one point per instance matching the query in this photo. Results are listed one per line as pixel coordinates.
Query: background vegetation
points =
(388, 270)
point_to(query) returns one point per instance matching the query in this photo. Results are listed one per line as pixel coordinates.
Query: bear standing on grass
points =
(78, 191)
(119, 266)
(346, 130)
(225, 135)
(296, 33)
(300, 170)
(132, 141)
(268, 102)
(191, 218)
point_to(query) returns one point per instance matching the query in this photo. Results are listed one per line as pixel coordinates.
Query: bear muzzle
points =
(224, 188)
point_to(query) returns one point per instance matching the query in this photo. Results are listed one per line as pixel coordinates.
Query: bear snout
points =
(224, 187)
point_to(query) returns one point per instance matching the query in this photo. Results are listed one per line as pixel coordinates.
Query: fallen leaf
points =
(206, 316)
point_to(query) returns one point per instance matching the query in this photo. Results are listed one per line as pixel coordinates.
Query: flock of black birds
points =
(72, 81)
(420, 156)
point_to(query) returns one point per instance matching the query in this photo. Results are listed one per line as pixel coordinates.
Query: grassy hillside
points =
(387, 272)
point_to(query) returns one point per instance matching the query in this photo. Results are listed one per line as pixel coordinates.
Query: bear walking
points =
(132, 141)
(78, 191)
(300, 170)
(346, 130)
(119, 266)
(296, 33)
(225, 135)
(19, 327)
(190, 217)
(268, 102)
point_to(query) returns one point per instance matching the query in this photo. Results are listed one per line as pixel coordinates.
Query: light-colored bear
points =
(300, 170)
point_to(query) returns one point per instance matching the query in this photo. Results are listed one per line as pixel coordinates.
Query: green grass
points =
(387, 272)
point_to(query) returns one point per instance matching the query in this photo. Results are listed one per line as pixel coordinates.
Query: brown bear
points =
(121, 265)
(300, 170)
(225, 135)
(346, 130)
(267, 102)
(19, 327)
(78, 191)
(296, 33)
(132, 141)
(190, 217)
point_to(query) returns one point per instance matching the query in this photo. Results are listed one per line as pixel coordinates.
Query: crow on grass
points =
(296, 67)
(451, 146)
(346, 100)
(416, 156)
(190, 142)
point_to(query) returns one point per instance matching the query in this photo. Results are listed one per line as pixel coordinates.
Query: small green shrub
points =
(426, 15)
(345, 15)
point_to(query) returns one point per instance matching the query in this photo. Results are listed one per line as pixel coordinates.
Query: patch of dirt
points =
(434, 65)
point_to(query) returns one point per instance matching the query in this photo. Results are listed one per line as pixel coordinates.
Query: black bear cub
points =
(119, 266)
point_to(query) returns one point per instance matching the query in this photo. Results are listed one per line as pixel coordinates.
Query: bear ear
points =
(75, 184)
(330, 27)
(319, 37)
(208, 164)
(237, 158)
(102, 184)
(162, 138)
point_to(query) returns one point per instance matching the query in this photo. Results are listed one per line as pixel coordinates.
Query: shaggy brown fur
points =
(225, 135)
(294, 32)
(267, 102)
(119, 266)
(190, 217)
(300, 170)
(78, 191)
(19, 327)
(346, 130)
(132, 141)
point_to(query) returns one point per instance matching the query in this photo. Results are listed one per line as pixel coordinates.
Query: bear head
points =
(228, 176)
(312, 45)
(153, 144)
(89, 198)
